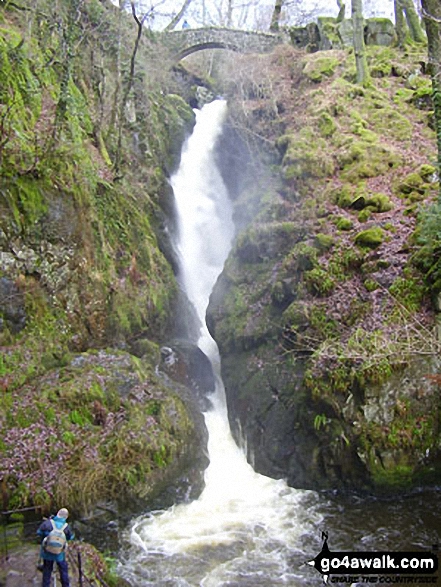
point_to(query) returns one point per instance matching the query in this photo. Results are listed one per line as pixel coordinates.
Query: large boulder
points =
(115, 432)
(186, 364)
(379, 31)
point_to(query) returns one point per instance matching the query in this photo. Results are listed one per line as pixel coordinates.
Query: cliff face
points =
(85, 261)
(323, 314)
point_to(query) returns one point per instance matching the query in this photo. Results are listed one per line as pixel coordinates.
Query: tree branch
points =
(172, 24)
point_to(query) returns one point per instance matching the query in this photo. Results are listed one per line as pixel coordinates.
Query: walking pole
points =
(80, 570)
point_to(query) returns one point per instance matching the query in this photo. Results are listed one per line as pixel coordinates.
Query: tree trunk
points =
(341, 11)
(359, 46)
(413, 21)
(432, 20)
(230, 13)
(400, 23)
(275, 19)
(128, 87)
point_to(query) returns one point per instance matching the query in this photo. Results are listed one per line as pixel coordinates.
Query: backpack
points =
(55, 541)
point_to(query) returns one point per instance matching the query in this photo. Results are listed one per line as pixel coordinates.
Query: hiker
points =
(55, 532)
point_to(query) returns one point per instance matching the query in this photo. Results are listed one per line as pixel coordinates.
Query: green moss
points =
(361, 159)
(326, 125)
(393, 123)
(409, 291)
(320, 66)
(370, 238)
(296, 315)
(427, 172)
(318, 281)
(324, 242)
(403, 95)
(380, 68)
(179, 120)
(343, 223)
(324, 325)
(379, 202)
(343, 196)
(364, 215)
(397, 477)
(422, 96)
(371, 285)
(411, 183)
(302, 257)
(306, 156)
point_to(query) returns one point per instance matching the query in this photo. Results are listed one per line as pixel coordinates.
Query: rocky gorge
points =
(326, 313)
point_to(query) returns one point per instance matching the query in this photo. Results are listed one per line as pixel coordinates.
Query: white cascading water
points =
(245, 528)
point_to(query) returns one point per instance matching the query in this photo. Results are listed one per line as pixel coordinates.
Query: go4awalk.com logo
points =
(381, 568)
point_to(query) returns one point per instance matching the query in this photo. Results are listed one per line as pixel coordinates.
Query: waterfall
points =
(244, 527)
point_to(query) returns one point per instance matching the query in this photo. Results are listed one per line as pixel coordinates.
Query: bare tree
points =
(359, 46)
(432, 20)
(174, 21)
(129, 82)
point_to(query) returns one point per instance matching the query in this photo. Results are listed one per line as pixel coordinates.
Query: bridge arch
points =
(187, 41)
(208, 45)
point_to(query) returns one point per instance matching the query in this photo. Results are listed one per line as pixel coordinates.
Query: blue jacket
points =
(44, 530)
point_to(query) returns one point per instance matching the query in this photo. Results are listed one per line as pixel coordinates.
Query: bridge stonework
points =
(185, 42)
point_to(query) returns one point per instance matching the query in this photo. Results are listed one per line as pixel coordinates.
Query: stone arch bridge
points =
(187, 41)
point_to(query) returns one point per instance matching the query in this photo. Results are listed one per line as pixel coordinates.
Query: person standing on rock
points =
(55, 532)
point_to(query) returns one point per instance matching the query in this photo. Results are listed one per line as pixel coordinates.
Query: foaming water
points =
(244, 527)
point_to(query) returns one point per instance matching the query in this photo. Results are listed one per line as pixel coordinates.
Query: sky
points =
(251, 13)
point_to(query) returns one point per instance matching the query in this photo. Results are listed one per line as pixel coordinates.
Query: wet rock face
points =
(186, 364)
(268, 406)
(12, 308)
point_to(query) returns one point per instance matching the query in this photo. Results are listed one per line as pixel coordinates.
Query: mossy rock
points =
(365, 214)
(324, 242)
(343, 223)
(380, 31)
(403, 95)
(379, 202)
(296, 315)
(318, 281)
(320, 66)
(380, 69)
(343, 196)
(370, 238)
(411, 183)
(328, 32)
(180, 120)
(306, 156)
(358, 202)
(422, 97)
(303, 257)
(326, 125)
(427, 171)
(117, 425)
(390, 122)
(361, 159)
